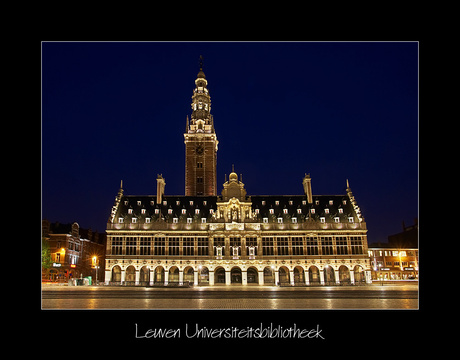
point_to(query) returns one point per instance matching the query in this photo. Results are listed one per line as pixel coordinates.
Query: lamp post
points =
(95, 265)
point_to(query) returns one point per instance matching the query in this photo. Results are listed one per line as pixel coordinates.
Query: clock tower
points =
(200, 142)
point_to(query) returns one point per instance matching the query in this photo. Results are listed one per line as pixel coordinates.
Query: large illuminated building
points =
(232, 238)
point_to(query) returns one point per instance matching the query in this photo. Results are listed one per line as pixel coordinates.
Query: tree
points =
(46, 254)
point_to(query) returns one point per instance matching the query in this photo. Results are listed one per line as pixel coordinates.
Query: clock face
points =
(199, 149)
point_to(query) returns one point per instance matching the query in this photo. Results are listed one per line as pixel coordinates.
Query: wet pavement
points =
(231, 297)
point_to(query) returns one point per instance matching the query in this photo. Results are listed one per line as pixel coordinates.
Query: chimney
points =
(307, 188)
(160, 188)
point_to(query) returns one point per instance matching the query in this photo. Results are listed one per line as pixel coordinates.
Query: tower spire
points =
(200, 142)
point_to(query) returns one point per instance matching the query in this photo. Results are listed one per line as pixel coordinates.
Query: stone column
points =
(291, 277)
(277, 277)
(166, 276)
(307, 277)
(352, 277)
(152, 274)
(228, 279)
(337, 277)
(321, 276)
(211, 277)
(244, 277)
(261, 277)
(181, 277)
(123, 276)
(108, 275)
(136, 277)
(195, 277)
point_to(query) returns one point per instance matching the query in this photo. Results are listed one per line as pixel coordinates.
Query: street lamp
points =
(95, 265)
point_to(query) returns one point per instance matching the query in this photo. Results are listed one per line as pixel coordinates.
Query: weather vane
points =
(201, 62)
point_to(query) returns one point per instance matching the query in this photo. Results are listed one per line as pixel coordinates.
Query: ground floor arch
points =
(299, 275)
(116, 274)
(314, 275)
(283, 274)
(329, 275)
(252, 275)
(144, 276)
(236, 275)
(359, 274)
(203, 275)
(130, 275)
(344, 275)
(269, 275)
(219, 275)
(159, 275)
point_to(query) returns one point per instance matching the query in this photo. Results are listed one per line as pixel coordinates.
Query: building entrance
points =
(236, 276)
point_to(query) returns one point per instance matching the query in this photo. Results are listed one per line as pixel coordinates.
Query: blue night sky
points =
(338, 111)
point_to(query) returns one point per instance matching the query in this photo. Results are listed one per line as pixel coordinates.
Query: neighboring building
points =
(397, 259)
(202, 238)
(391, 263)
(74, 251)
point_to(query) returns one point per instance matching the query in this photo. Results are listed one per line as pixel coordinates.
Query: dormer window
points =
(331, 202)
(169, 211)
(152, 202)
(285, 211)
(203, 220)
(280, 220)
(157, 211)
(299, 211)
(350, 219)
(272, 211)
(134, 220)
(120, 220)
(277, 202)
(175, 220)
(189, 220)
(143, 211)
(191, 202)
(322, 219)
(263, 202)
(147, 220)
(326, 211)
(336, 219)
(294, 220)
(197, 211)
(312, 211)
(344, 202)
(265, 220)
(290, 202)
(340, 211)
(165, 203)
(130, 211)
(138, 203)
(205, 203)
(184, 211)
(177, 202)
(256, 211)
(304, 202)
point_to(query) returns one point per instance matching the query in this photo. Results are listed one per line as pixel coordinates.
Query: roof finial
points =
(233, 168)
(201, 62)
(121, 184)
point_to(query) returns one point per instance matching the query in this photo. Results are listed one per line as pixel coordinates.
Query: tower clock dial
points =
(199, 150)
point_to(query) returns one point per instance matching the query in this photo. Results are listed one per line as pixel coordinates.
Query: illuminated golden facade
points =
(205, 239)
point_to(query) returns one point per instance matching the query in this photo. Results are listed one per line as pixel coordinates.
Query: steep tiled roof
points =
(328, 207)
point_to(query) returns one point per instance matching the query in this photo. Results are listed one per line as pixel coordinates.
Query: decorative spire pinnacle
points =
(201, 62)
